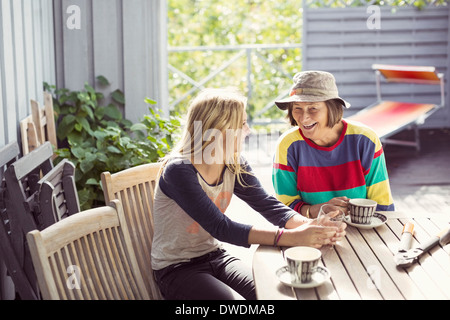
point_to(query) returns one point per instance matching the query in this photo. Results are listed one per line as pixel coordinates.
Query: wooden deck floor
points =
(420, 181)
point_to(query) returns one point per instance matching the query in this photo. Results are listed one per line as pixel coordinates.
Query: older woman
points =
(323, 158)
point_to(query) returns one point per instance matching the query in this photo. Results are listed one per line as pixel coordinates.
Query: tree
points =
(193, 23)
(234, 23)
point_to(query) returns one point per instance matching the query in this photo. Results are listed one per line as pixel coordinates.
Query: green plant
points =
(96, 138)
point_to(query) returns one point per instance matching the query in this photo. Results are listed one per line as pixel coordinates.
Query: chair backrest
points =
(8, 155)
(408, 74)
(28, 132)
(87, 256)
(58, 194)
(134, 187)
(39, 127)
(44, 119)
(21, 180)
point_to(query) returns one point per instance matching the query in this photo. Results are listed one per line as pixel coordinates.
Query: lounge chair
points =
(390, 117)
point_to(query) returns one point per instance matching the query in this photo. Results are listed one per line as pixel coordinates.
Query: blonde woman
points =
(197, 182)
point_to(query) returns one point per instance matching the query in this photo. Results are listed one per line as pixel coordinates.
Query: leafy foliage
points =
(234, 23)
(96, 138)
(420, 4)
(212, 23)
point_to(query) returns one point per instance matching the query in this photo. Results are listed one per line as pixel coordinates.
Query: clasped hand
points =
(314, 235)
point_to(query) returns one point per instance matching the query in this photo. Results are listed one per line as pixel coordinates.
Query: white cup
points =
(302, 263)
(362, 210)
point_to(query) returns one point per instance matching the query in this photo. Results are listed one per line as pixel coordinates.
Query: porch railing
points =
(241, 51)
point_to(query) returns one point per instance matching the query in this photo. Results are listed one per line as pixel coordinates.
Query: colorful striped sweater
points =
(355, 166)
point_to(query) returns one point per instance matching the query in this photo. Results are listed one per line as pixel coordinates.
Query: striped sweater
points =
(354, 167)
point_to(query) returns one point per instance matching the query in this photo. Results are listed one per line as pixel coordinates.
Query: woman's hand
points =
(341, 202)
(299, 232)
(333, 217)
(312, 235)
(340, 234)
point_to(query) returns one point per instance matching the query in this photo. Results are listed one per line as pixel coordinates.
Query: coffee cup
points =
(362, 210)
(302, 263)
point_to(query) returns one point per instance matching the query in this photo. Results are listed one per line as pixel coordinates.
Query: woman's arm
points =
(377, 183)
(312, 211)
(179, 182)
(307, 234)
(284, 175)
(299, 230)
(258, 199)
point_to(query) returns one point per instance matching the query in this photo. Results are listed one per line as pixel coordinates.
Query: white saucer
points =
(378, 219)
(318, 278)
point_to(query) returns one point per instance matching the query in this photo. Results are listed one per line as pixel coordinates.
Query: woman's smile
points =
(310, 126)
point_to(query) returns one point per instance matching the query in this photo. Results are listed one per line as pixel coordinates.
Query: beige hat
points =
(312, 86)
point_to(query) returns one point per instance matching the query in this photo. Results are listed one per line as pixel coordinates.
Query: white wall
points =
(26, 60)
(123, 40)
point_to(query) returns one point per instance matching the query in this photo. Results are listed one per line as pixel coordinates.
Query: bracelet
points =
(281, 232)
(278, 236)
(275, 241)
(307, 212)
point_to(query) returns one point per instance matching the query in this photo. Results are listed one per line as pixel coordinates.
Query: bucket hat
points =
(312, 86)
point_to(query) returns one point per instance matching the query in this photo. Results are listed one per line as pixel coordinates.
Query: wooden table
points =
(362, 266)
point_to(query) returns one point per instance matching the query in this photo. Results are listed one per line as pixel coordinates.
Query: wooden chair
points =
(45, 120)
(135, 187)
(87, 256)
(8, 155)
(58, 194)
(21, 180)
(28, 132)
(39, 127)
(389, 117)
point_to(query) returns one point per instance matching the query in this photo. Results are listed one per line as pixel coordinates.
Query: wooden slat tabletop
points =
(362, 266)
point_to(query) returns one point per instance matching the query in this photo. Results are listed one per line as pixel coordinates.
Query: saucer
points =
(321, 275)
(378, 219)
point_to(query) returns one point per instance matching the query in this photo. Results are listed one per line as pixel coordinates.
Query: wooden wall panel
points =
(26, 61)
(338, 40)
(123, 41)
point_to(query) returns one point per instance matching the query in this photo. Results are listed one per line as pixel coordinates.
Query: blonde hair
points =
(214, 110)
